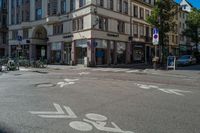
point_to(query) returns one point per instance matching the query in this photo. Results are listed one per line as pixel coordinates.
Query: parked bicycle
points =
(12, 65)
(41, 63)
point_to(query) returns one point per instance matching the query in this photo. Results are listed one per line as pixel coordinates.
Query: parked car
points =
(186, 60)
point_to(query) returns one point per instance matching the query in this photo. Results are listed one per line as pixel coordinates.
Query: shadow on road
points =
(190, 68)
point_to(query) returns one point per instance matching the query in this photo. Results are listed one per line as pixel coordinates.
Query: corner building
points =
(105, 31)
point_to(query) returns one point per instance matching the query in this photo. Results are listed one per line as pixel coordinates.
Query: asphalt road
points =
(76, 100)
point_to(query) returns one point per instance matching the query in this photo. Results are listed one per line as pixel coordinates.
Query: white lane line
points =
(57, 107)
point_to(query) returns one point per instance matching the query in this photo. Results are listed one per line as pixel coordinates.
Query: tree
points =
(162, 17)
(193, 25)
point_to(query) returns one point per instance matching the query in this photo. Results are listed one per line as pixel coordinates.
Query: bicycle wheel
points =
(45, 64)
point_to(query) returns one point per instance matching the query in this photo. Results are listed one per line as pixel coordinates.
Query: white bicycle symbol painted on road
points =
(98, 121)
(92, 120)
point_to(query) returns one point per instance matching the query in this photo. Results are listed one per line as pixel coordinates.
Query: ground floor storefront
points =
(93, 52)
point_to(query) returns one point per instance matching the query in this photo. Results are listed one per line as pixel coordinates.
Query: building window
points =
(119, 5)
(135, 30)
(57, 29)
(52, 7)
(25, 33)
(100, 3)
(78, 24)
(72, 5)
(82, 3)
(141, 31)
(135, 11)
(63, 7)
(125, 4)
(38, 14)
(172, 38)
(17, 18)
(110, 4)
(27, 16)
(121, 27)
(14, 34)
(103, 23)
(147, 13)
(141, 13)
(4, 20)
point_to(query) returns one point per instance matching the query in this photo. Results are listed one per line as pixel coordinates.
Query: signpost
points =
(155, 43)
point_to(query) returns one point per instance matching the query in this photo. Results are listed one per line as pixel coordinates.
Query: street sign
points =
(155, 36)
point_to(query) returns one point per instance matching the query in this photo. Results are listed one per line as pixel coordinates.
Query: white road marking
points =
(92, 120)
(96, 117)
(169, 91)
(24, 69)
(132, 71)
(58, 111)
(67, 82)
(83, 73)
(80, 126)
(58, 114)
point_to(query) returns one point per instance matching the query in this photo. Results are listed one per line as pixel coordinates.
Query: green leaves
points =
(193, 24)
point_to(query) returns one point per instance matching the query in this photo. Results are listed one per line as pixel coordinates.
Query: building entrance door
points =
(81, 53)
(67, 55)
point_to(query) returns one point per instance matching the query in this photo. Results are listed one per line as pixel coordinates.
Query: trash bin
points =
(86, 61)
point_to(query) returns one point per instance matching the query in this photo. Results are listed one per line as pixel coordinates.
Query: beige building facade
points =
(66, 31)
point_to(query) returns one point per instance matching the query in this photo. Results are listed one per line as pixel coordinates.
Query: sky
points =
(195, 3)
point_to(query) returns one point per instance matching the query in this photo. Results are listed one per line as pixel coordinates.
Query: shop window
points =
(121, 53)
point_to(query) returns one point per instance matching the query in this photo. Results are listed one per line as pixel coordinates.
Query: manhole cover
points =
(43, 85)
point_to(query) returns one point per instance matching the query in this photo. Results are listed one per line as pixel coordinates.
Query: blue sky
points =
(195, 3)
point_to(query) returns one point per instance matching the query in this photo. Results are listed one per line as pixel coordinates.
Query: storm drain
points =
(44, 85)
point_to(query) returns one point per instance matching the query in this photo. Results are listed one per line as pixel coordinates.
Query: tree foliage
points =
(193, 24)
(162, 17)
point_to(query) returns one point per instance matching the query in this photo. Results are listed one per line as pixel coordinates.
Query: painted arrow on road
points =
(59, 113)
